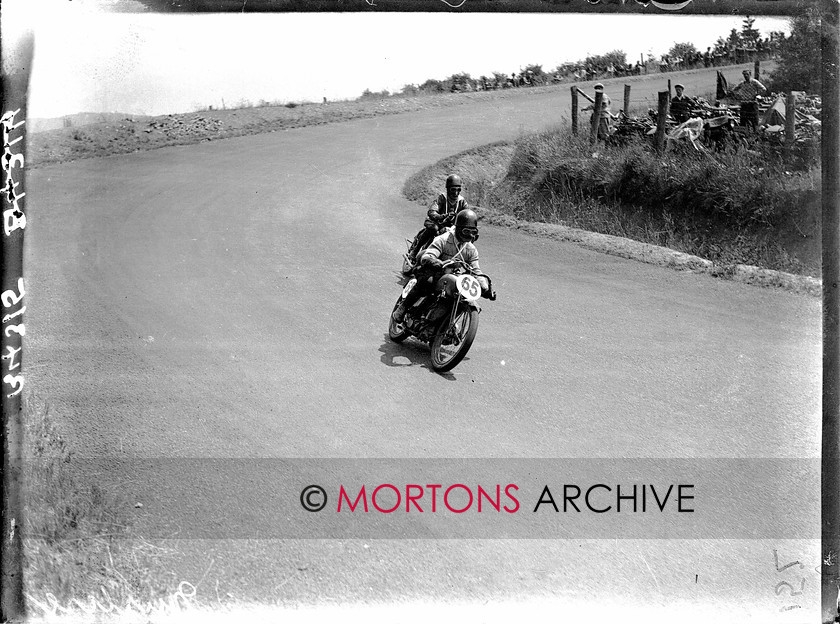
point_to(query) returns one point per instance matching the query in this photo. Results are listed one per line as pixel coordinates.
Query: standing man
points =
(745, 93)
(606, 116)
(748, 90)
(681, 104)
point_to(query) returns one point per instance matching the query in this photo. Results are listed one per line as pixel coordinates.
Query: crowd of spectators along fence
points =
(763, 50)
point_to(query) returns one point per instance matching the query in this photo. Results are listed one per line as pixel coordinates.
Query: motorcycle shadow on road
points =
(415, 352)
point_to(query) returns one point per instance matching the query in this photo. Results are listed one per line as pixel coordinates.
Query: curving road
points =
(230, 300)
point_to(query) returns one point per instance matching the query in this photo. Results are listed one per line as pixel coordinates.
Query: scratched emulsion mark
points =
(177, 604)
(792, 581)
(667, 5)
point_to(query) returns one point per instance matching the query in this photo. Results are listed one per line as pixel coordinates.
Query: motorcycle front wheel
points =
(452, 341)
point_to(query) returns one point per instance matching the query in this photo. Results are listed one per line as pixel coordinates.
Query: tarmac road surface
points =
(210, 324)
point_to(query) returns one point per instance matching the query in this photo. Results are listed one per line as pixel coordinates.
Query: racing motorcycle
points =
(446, 319)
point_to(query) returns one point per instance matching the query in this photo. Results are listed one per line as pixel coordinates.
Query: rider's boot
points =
(409, 300)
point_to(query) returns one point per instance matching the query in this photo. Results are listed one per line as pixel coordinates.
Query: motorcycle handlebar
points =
(461, 267)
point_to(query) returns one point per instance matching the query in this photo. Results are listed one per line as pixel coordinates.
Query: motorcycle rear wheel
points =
(396, 331)
(452, 341)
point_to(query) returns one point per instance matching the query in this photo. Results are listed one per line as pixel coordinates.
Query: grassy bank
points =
(81, 558)
(737, 207)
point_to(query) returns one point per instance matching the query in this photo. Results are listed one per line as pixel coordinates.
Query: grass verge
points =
(738, 215)
(507, 184)
(82, 561)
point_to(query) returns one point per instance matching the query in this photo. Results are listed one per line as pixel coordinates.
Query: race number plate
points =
(408, 287)
(469, 287)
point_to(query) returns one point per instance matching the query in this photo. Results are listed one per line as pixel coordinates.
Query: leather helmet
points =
(466, 226)
(453, 186)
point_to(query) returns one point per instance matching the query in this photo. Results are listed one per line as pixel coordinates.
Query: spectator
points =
(748, 90)
(606, 116)
(681, 105)
(746, 94)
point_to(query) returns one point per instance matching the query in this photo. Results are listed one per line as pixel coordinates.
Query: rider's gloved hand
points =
(433, 263)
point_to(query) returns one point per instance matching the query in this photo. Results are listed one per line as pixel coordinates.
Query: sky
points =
(87, 60)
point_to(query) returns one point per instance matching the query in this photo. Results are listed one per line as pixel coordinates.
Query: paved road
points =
(230, 300)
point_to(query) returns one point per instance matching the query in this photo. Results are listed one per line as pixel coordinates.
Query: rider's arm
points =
(434, 209)
(472, 260)
(431, 257)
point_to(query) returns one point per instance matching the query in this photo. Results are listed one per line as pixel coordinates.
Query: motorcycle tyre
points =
(466, 343)
(397, 333)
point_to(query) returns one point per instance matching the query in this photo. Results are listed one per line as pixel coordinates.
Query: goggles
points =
(469, 233)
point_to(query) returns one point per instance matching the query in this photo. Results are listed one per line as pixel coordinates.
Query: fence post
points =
(574, 110)
(757, 68)
(627, 100)
(661, 118)
(790, 123)
(596, 116)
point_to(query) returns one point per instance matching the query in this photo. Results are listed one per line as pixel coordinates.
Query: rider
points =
(453, 244)
(441, 212)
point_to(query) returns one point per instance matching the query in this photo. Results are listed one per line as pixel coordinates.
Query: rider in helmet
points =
(441, 212)
(453, 244)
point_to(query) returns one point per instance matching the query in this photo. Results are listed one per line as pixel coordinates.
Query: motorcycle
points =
(446, 319)
(415, 249)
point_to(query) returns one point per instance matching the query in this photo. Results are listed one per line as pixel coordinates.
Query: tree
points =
(432, 86)
(684, 50)
(499, 78)
(565, 69)
(734, 39)
(367, 94)
(460, 82)
(799, 55)
(616, 57)
(749, 35)
(537, 75)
